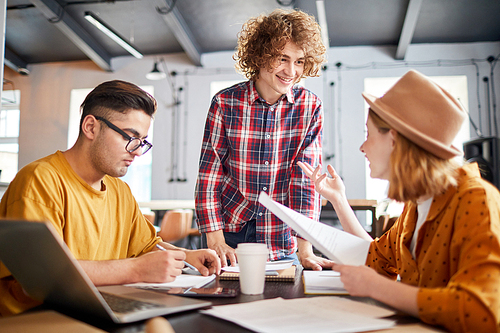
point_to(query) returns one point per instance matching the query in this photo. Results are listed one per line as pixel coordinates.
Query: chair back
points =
(176, 224)
(150, 217)
(384, 223)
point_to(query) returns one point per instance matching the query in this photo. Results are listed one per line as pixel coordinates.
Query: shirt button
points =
(260, 214)
(268, 136)
(271, 108)
(264, 188)
(266, 163)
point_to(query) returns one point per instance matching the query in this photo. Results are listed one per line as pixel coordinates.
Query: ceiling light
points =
(156, 74)
(89, 16)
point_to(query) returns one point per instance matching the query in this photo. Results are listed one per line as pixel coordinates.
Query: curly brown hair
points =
(263, 38)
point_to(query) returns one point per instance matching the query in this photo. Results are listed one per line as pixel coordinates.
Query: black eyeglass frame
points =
(126, 137)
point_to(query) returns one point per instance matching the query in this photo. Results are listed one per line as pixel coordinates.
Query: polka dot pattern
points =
(457, 266)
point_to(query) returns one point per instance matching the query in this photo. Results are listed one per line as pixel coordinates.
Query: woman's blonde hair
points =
(414, 171)
(262, 40)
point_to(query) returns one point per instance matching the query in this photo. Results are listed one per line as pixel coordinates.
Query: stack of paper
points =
(278, 271)
(181, 281)
(270, 266)
(311, 314)
(326, 282)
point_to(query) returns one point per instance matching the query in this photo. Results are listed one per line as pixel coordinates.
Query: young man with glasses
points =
(95, 212)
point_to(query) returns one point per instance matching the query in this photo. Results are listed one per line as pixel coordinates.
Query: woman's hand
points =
(331, 188)
(357, 280)
(363, 281)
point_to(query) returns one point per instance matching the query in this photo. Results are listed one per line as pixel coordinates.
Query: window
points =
(9, 133)
(455, 85)
(216, 86)
(138, 176)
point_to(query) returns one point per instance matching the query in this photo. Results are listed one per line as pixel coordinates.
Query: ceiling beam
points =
(181, 31)
(15, 62)
(408, 28)
(52, 10)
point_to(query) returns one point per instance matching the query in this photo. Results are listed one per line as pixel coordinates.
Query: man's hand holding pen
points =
(206, 261)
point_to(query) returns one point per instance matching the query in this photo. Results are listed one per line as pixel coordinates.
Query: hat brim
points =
(422, 140)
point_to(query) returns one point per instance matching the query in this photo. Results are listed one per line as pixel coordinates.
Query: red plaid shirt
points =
(250, 146)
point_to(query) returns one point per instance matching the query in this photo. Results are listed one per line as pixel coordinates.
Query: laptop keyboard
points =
(123, 305)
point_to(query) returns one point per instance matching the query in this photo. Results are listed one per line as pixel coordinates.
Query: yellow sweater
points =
(96, 225)
(457, 266)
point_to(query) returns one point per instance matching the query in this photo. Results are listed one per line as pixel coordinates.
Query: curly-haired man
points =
(255, 133)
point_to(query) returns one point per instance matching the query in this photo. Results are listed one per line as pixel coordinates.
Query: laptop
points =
(39, 259)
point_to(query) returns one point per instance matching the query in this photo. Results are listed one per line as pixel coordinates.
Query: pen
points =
(161, 247)
(190, 266)
(185, 263)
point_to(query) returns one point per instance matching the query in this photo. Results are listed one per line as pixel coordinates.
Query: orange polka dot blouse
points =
(457, 266)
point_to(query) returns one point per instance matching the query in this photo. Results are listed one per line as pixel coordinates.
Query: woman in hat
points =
(445, 245)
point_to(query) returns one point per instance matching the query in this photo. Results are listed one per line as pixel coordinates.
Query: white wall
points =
(378, 62)
(46, 91)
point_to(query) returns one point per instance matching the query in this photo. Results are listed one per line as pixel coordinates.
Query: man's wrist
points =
(305, 254)
(215, 237)
(304, 248)
(135, 273)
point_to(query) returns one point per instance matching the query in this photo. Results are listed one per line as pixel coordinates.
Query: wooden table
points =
(193, 321)
(358, 204)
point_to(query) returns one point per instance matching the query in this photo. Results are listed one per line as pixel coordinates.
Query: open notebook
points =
(282, 275)
(42, 263)
(281, 270)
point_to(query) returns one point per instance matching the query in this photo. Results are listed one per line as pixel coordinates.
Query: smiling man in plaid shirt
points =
(256, 132)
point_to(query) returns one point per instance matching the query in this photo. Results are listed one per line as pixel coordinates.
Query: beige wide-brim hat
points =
(421, 111)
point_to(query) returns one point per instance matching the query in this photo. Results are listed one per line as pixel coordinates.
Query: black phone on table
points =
(199, 292)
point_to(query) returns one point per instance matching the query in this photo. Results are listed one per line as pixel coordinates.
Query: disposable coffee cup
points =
(252, 258)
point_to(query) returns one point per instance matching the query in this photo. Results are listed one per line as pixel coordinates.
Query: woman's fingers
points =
(308, 170)
(323, 176)
(332, 171)
(316, 171)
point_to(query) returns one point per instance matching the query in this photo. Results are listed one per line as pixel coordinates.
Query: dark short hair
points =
(117, 96)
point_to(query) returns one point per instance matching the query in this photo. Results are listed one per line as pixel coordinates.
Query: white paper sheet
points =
(181, 281)
(316, 314)
(326, 282)
(334, 243)
(270, 266)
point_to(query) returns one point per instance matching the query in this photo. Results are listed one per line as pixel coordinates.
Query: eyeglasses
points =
(133, 143)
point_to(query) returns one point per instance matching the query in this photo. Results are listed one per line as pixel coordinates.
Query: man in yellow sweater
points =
(95, 212)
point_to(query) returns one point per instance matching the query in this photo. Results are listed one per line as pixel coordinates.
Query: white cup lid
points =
(252, 248)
